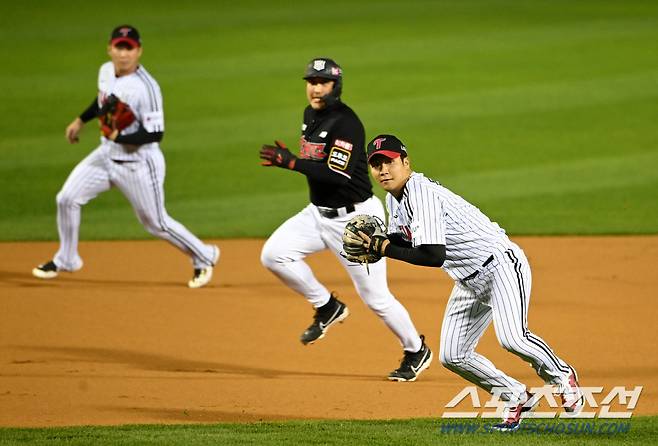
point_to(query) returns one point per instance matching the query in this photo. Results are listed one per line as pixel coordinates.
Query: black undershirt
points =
(141, 136)
(423, 255)
(90, 112)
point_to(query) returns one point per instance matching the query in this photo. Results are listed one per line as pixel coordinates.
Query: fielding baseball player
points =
(129, 106)
(332, 156)
(431, 226)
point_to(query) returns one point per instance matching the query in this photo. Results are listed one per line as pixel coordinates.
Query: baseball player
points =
(129, 105)
(431, 226)
(332, 157)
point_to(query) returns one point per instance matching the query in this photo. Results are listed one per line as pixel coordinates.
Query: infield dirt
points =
(125, 341)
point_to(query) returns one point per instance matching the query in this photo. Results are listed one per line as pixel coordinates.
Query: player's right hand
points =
(73, 130)
(277, 155)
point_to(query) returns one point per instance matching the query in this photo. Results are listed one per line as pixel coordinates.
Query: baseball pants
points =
(142, 183)
(500, 292)
(308, 232)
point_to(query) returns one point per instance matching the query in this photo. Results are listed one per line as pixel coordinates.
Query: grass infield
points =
(640, 430)
(542, 113)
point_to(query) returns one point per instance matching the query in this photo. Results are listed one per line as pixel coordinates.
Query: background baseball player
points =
(430, 225)
(129, 105)
(332, 157)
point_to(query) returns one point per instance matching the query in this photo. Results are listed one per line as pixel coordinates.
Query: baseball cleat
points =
(573, 399)
(46, 271)
(203, 275)
(215, 256)
(327, 315)
(413, 364)
(513, 415)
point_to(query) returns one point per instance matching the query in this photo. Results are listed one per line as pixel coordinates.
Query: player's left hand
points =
(375, 244)
(277, 155)
(364, 239)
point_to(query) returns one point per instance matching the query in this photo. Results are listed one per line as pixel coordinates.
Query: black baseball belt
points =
(335, 212)
(475, 274)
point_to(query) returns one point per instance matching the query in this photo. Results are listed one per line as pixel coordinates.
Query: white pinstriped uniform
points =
(430, 214)
(139, 174)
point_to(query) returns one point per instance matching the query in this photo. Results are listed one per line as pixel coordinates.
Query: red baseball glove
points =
(114, 115)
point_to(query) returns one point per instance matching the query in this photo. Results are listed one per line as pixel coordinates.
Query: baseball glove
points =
(114, 115)
(363, 239)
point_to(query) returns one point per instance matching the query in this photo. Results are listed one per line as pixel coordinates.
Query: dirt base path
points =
(125, 341)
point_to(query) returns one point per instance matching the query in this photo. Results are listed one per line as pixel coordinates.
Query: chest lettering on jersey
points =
(311, 150)
(338, 158)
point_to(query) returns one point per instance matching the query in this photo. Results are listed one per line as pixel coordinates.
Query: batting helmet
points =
(326, 68)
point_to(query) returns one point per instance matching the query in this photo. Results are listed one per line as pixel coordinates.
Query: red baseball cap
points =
(126, 34)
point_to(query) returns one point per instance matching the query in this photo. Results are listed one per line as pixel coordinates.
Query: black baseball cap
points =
(126, 34)
(387, 145)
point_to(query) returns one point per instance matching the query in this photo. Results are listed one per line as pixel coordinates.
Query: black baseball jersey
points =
(332, 156)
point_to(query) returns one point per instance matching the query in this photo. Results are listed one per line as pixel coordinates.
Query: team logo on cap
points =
(378, 142)
(124, 31)
(319, 64)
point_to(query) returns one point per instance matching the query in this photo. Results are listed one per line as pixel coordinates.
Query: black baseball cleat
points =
(413, 364)
(46, 271)
(325, 316)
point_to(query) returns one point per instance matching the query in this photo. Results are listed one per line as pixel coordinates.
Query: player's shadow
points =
(26, 280)
(163, 363)
(72, 281)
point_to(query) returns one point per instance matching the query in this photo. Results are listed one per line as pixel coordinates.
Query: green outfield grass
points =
(542, 113)
(640, 431)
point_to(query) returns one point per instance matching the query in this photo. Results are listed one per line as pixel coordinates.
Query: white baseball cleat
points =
(572, 397)
(46, 271)
(203, 275)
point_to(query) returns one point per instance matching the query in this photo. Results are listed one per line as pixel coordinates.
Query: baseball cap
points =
(387, 145)
(127, 34)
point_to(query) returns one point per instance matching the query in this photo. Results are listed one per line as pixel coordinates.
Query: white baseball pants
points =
(308, 232)
(142, 182)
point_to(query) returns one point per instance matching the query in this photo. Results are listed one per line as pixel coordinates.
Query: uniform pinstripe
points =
(138, 173)
(492, 283)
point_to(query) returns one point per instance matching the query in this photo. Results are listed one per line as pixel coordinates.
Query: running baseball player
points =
(332, 157)
(129, 107)
(431, 226)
